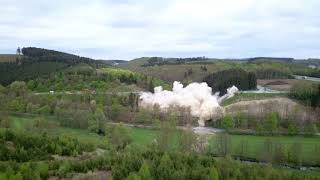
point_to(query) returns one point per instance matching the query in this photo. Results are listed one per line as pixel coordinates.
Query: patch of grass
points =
(8, 57)
(255, 145)
(142, 136)
(22, 123)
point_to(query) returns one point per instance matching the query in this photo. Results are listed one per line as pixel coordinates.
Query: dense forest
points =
(153, 61)
(37, 62)
(222, 80)
(83, 77)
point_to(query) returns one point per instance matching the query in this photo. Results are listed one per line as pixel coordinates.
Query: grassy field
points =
(146, 136)
(255, 144)
(138, 135)
(8, 57)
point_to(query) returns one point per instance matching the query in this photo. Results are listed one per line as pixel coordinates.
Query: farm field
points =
(8, 57)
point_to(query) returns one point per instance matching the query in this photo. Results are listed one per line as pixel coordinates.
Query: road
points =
(197, 130)
(81, 93)
(307, 78)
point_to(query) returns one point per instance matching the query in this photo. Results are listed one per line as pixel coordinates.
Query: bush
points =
(228, 122)
(307, 92)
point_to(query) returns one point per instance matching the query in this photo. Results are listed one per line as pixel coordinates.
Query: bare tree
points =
(18, 51)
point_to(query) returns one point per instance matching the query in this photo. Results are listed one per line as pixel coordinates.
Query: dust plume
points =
(198, 96)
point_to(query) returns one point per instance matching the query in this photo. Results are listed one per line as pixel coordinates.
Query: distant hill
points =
(114, 62)
(189, 70)
(36, 62)
(270, 59)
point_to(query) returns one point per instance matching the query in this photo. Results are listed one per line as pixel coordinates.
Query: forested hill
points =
(188, 70)
(36, 62)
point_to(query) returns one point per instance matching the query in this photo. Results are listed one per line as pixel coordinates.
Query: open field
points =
(8, 57)
(138, 135)
(255, 144)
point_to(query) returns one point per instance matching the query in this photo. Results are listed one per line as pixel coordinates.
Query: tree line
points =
(153, 61)
(222, 80)
(306, 92)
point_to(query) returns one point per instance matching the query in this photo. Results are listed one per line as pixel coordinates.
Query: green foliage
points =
(18, 88)
(222, 80)
(307, 92)
(164, 138)
(195, 166)
(221, 145)
(2, 89)
(213, 174)
(119, 136)
(272, 123)
(97, 121)
(4, 121)
(165, 168)
(310, 129)
(144, 116)
(187, 140)
(46, 110)
(293, 129)
(40, 62)
(144, 172)
(31, 85)
(17, 105)
(36, 147)
(133, 176)
(228, 122)
(295, 154)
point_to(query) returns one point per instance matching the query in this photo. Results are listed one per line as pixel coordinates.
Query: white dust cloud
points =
(198, 96)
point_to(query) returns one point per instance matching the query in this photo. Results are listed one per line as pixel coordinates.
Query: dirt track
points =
(278, 84)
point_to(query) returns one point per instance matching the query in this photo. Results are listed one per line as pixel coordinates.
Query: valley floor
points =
(249, 146)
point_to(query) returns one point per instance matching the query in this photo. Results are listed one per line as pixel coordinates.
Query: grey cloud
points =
(133, 28)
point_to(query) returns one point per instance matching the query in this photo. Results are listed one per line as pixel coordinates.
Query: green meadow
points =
(254, 144)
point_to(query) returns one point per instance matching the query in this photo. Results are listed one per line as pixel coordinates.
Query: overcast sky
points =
(127, 29)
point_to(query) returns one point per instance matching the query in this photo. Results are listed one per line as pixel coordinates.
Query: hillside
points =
(186, 70)
(37, 62)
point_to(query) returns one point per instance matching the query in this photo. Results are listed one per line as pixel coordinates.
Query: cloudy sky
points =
(126, 29)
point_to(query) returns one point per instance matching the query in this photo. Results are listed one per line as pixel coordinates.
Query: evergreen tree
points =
(144, 172)
(228, 122)
(165, 168)
(187, 140)
(272, 123)
(97, 120)
(213, 174)
(133, 176)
